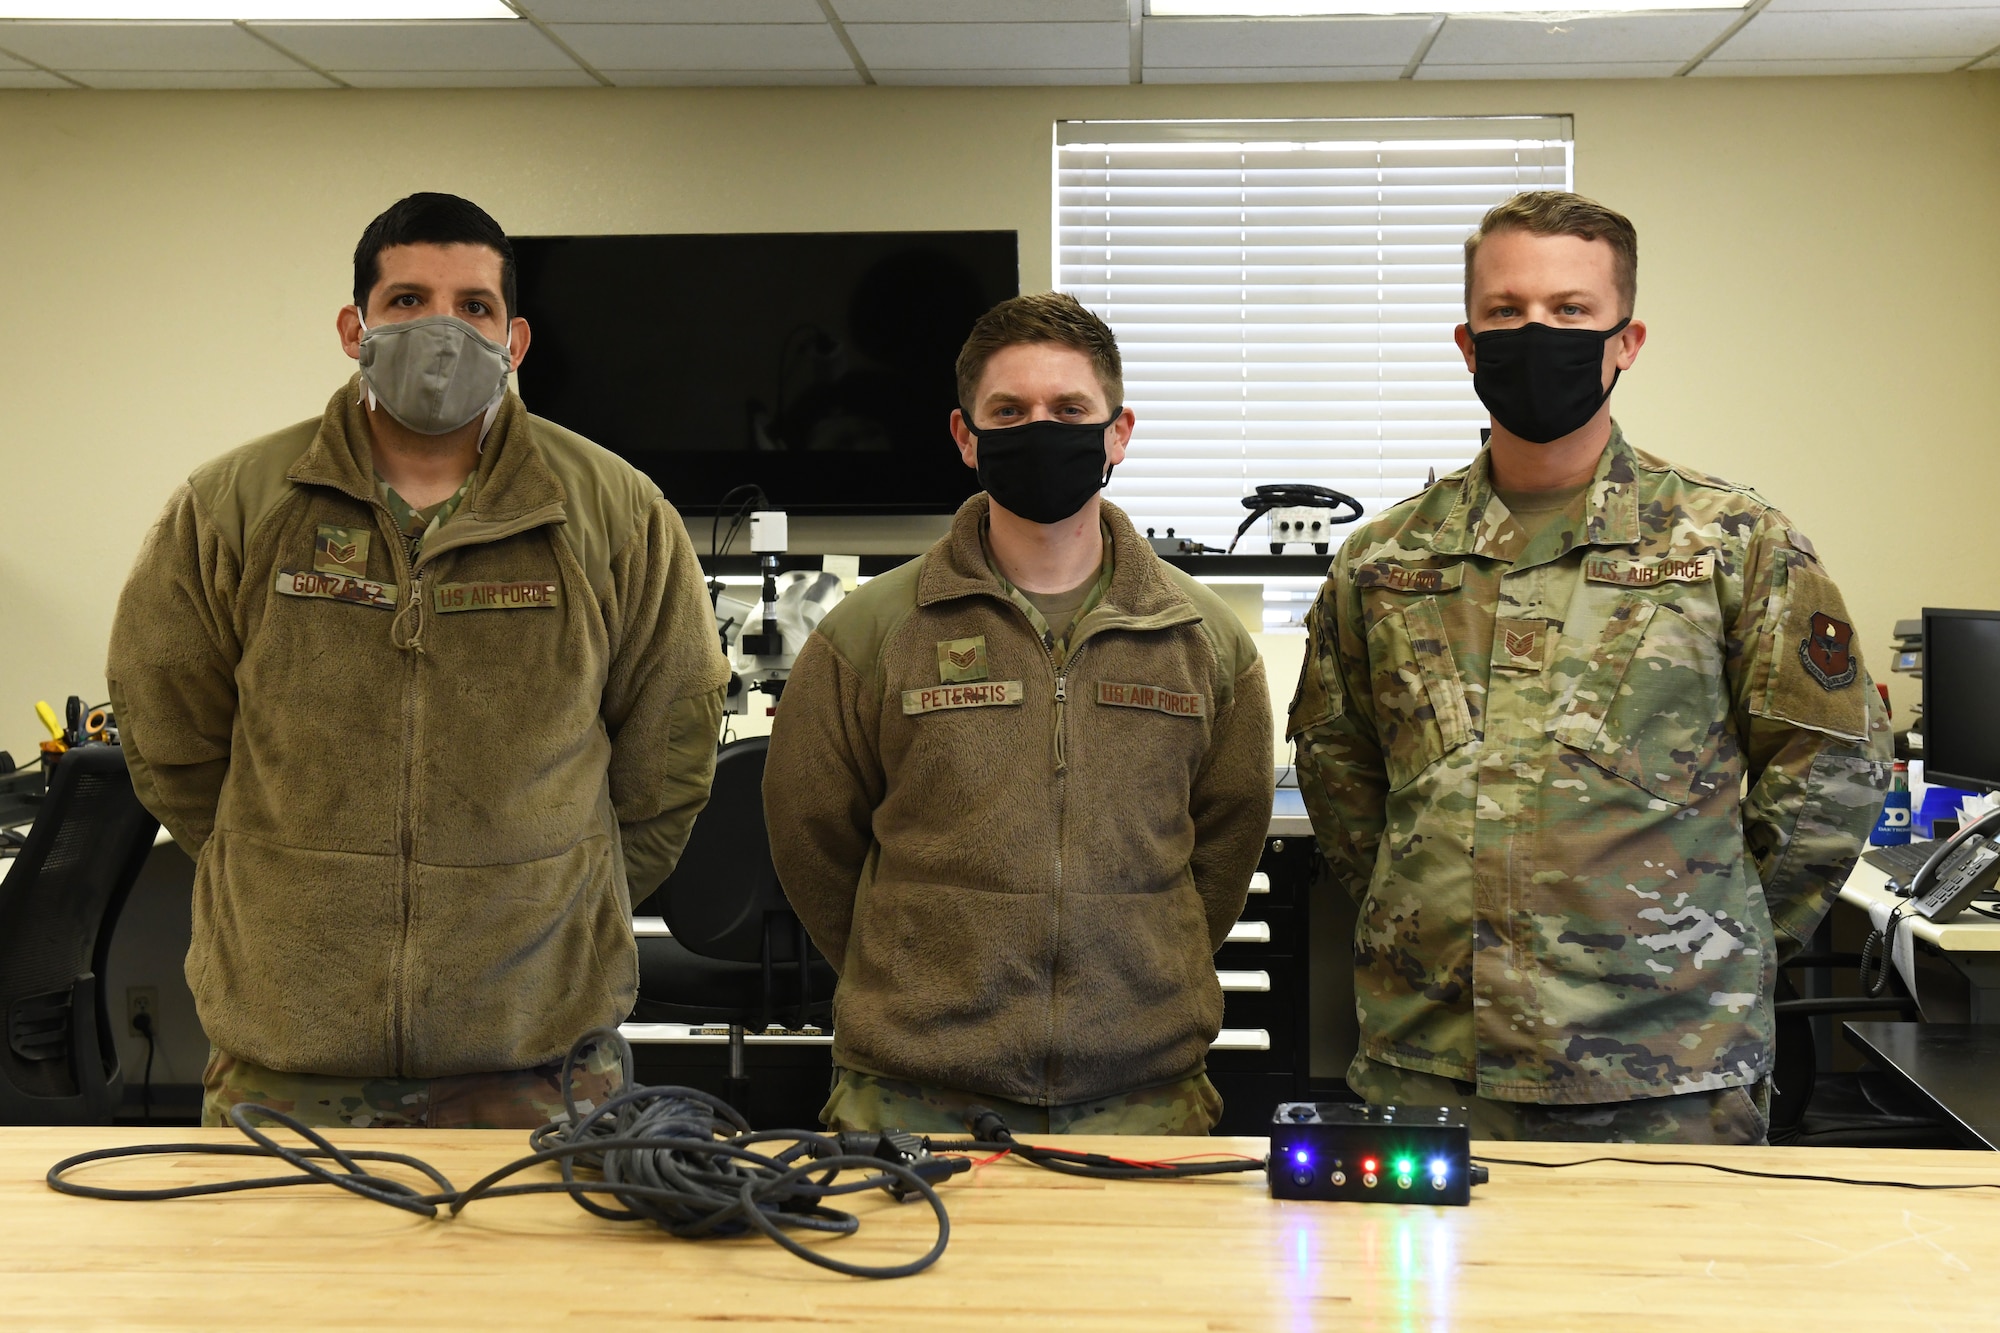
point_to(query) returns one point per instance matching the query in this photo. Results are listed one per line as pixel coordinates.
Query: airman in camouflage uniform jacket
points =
(1590, 788)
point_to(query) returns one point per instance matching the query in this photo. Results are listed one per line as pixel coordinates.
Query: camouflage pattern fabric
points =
(1722, 1115)
(870, 1102)
(417, 524)
(1588, 788)
(510, 1099)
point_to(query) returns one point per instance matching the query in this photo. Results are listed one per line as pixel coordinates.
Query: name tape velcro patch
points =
(1155, 697)
(984, 694)
(1633, 573)
(535, 594)
(337, 588)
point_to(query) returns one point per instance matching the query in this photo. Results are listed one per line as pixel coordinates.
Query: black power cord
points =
(673, 1156)
(1741, 1171)
(991, 1135)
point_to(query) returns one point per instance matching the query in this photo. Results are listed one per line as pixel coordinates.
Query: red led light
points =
(1368, 1165)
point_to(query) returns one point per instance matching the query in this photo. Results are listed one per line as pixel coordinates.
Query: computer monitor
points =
(1962, 699)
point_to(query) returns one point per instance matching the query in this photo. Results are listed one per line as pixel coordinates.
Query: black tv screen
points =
(817, 365)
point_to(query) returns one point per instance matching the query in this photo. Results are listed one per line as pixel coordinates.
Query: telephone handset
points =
(1957, 872)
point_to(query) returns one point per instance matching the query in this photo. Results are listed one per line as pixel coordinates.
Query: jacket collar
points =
(1478, 522)
(513, 481)
(1141, 595)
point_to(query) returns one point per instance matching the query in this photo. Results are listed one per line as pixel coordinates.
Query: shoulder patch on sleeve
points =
(1800, 542)
(1813, 675)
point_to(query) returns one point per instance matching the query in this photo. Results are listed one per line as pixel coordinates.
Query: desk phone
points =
(1959, 871)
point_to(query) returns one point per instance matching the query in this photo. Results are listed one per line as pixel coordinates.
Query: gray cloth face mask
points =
(433, 374)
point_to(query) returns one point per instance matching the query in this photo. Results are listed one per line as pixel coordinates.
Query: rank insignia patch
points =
(961, 660)
(340, 551)
(1520, 645)
(1827, 651)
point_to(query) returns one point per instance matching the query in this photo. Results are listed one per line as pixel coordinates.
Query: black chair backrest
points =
(59, 902)
(723, 896)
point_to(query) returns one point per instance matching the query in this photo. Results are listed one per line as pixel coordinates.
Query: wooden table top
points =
(1589, 1248)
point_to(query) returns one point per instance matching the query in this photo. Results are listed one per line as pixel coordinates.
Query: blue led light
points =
(1301, 1157)
(1439, 1166)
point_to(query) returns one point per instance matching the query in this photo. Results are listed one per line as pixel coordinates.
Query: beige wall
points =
(1821, 276)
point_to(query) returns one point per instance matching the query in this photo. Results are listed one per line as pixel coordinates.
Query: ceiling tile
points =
(975, 46)
(1609, 69)
(1611, 40)
(983, 11)
(486, 46)
(1877, 34)
(29, 78)
(706, 46)
(1276, 74)
(1259, 43)
(997, 78)
(465, 78)
(109, 46)
(1713, 68)
(675, 11)
(731, 78)
(233, 79)
(1991, 62)
(8, 62)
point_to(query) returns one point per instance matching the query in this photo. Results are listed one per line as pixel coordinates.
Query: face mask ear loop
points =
(1616, 371)
(367, 390)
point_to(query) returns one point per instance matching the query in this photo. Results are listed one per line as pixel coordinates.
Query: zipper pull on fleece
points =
(1062, 696)
(407, 630)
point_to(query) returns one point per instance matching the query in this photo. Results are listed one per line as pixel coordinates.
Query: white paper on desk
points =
(1902, 949)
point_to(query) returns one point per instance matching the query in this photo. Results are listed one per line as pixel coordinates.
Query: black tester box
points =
(1369, 1154)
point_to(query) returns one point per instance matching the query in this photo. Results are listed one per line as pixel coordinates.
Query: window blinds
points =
(1284, 295)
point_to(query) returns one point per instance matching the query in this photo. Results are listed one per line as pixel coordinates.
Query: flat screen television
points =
(817, 365)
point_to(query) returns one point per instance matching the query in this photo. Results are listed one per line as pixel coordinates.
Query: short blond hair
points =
(1042, 317)
(1561, 213)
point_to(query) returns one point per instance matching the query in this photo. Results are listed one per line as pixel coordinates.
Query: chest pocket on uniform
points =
(1647, 700)
(1420, 711)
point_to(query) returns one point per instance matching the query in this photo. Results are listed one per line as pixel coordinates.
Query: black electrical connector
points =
(904, 1149)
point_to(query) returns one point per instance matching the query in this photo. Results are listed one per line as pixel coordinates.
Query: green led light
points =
(1404, 1166)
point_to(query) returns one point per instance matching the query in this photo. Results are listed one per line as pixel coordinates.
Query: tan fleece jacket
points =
(416, 798)
(1022, 871)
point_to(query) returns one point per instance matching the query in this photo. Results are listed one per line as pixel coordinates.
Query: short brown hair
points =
(1044, 317)
(1560, 213)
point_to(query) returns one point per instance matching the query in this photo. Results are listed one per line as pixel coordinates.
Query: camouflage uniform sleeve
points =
(172, 670)
(662, 696)
(1814, 728)
(1336, 750)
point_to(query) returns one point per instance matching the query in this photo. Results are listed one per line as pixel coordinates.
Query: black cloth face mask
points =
(1042, 470)
(1541, 383)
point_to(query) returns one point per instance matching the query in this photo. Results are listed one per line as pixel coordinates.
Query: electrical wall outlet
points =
(142, 1000)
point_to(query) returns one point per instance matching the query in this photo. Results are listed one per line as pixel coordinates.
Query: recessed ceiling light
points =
(1333, 8)
(261, 11)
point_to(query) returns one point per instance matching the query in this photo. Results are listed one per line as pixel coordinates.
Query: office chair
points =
(735, 938)
(59, 903)
(1857, 1110)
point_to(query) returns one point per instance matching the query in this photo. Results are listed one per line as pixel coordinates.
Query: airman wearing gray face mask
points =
(429, 688)
(433, 374)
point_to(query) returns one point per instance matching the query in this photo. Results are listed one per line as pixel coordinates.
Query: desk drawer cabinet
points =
(1271, 940)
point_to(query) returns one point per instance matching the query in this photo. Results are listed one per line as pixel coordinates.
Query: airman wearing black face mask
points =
(1585, 734)
(1016, 787)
